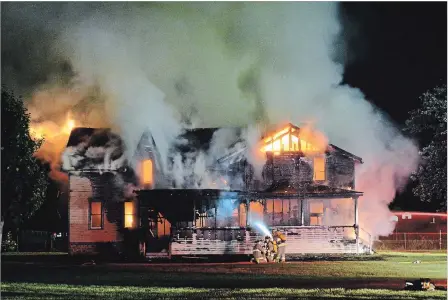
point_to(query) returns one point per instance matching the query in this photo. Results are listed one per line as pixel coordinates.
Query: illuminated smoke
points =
(159, 66)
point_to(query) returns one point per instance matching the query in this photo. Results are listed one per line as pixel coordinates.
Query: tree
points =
(24, 178)
(428, 123)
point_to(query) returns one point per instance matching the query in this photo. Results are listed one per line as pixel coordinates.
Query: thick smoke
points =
(155, 66)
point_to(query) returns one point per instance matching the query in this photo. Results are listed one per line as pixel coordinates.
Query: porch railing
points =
(300, 240)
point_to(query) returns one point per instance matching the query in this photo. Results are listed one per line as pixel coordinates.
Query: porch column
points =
(356, 225)
(193, 224)
(247, 212)
(302, 210)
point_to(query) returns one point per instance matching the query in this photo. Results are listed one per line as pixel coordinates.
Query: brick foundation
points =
(96, 248)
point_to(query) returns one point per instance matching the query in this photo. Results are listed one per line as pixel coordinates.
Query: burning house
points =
(211, 204)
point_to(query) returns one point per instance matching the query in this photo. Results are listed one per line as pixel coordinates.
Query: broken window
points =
(147, 172)
(96, 215)
(129, 215)
(319, 168)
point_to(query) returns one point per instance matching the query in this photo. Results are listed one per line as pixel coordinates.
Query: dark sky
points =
(401, 52)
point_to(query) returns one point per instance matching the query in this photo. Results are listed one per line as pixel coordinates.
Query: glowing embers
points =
(294, 139)
(147, 172)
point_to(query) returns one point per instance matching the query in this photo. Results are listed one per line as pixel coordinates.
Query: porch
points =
(217, 222)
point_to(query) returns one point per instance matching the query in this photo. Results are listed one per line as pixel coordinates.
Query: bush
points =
(9, 244)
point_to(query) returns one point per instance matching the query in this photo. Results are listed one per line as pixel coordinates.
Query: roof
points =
(421, 214)
(81, 134)
(199, 138)
(284, 189)
(93, 149)
(346, 153)
(191, 140)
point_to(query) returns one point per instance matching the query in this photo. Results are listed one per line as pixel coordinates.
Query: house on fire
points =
(305, 191)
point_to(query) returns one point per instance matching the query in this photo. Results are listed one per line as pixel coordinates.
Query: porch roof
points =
(286, 190)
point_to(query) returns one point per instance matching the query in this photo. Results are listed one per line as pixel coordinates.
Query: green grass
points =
(63, 291)
(343, 278)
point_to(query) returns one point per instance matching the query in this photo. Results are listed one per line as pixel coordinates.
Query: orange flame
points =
(55, 141)
(294, 139)
(50, 130)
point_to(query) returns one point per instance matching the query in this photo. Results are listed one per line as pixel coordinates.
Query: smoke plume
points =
(156, 66)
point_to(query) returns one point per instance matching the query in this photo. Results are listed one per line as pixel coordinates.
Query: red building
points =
(420, 222)
(416, 231)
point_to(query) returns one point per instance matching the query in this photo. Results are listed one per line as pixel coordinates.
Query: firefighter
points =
(259, 252)
(270, 249)
(280, 240)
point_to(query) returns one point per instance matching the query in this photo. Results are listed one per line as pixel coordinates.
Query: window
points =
(316, 212)
(316, 208)
(147, 172)
(316, 220)
(96, 215)
(319, 168)
(129, 215)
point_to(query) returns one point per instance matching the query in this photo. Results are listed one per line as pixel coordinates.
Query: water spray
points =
(263, 228)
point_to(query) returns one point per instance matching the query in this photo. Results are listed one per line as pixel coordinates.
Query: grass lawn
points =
(63, 291)
(382, 277)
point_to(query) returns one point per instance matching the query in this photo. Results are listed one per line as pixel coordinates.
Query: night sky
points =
(398, 53)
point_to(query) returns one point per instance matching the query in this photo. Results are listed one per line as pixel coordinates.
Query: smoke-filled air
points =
(163, 67)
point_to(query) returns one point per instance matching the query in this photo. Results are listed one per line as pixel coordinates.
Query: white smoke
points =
(232, 64)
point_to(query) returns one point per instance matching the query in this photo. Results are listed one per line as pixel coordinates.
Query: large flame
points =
(55, 139)
(294, 139)
(50, 130)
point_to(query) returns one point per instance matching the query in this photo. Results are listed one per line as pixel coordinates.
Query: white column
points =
(356, 226)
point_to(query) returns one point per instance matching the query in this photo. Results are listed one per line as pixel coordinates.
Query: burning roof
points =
(93, 149)
(90, 148)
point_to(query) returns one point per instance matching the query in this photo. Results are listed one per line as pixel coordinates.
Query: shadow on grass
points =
(105, 275)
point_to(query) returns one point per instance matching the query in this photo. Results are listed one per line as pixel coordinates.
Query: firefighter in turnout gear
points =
(280, 240)
(259, 252)
(270, 249)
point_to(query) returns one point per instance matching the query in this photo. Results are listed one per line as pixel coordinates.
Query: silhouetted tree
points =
(429, 124)
(24, 178)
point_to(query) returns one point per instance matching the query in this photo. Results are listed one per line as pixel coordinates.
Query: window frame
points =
(313, 214)
(324, 158)
(101, 214)
(134, 215)
(144, 183)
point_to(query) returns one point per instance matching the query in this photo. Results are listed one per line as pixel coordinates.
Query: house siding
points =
(340, 171)
(81, 238)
